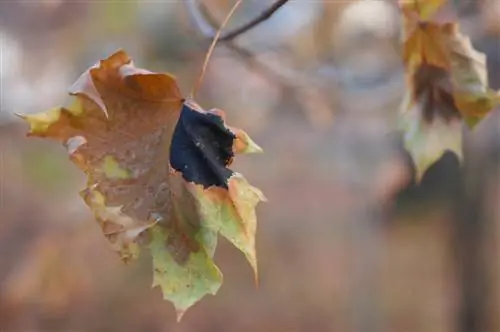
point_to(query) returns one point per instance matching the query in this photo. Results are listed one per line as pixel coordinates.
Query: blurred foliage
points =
(45, 169)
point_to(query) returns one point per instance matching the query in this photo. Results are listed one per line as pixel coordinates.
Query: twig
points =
(210, 33)
(212, 47)
(288, 79)
(208, 28)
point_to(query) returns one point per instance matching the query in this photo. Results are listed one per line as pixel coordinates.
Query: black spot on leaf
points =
(434, 89)
(202, 148)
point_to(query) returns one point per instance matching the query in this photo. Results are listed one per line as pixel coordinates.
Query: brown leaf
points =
(153, 163)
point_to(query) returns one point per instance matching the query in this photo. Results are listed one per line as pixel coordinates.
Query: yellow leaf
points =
(427, 44)
(424, 9)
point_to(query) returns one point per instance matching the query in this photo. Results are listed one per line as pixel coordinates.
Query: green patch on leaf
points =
(184, 284)
(113, 170)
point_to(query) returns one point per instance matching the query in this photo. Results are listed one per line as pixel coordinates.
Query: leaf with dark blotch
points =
(430, 120)
(157, 173)
(202, 147)
(448, 82)
(430, 41)
(433, 89)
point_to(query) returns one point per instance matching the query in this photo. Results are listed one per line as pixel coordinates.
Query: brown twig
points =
(209, 33)
(301, 89)
(212, 47)
(207, 25)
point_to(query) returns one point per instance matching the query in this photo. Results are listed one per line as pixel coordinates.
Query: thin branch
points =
(266, 14)
(301, 89)
(199, 17)
(212, 47)
(210, 33)
(207, 25)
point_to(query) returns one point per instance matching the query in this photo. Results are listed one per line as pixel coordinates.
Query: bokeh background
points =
(346, 242)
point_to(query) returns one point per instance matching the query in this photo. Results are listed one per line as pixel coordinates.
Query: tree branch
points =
(300, 88)
(208, 28)
(209, 32)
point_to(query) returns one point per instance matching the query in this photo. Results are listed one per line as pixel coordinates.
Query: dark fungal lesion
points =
(201, 148)
(434, 89)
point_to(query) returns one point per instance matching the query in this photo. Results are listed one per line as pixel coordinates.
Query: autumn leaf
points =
(471, 91)
(157, 173)
(447, 82)
(433, 42)
(427, 142)
(430, 120)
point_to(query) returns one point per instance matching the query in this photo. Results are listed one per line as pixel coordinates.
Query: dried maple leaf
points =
(448, 82)
(430, 119)
(438, 42)
(467, 67)
(157, 173)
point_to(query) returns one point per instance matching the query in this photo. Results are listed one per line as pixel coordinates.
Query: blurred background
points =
(347, 241)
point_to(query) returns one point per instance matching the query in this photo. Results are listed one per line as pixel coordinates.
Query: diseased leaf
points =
(430, 119)
(433, 89)
(447, 79)
(427, 142)
(442, 45)
(226, 200)
(183, 284)
(157, 173)
(183, 259)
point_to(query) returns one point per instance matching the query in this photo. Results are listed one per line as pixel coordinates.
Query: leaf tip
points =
(251, 256)
(256, 277)
(254, 148)
(244, 144)
(40, 122)
(179, 314)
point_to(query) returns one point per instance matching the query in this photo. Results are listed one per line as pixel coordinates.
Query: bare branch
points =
(301, 89)
(208, 30)
(201, 20)
(212, 46)
(208, 27)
